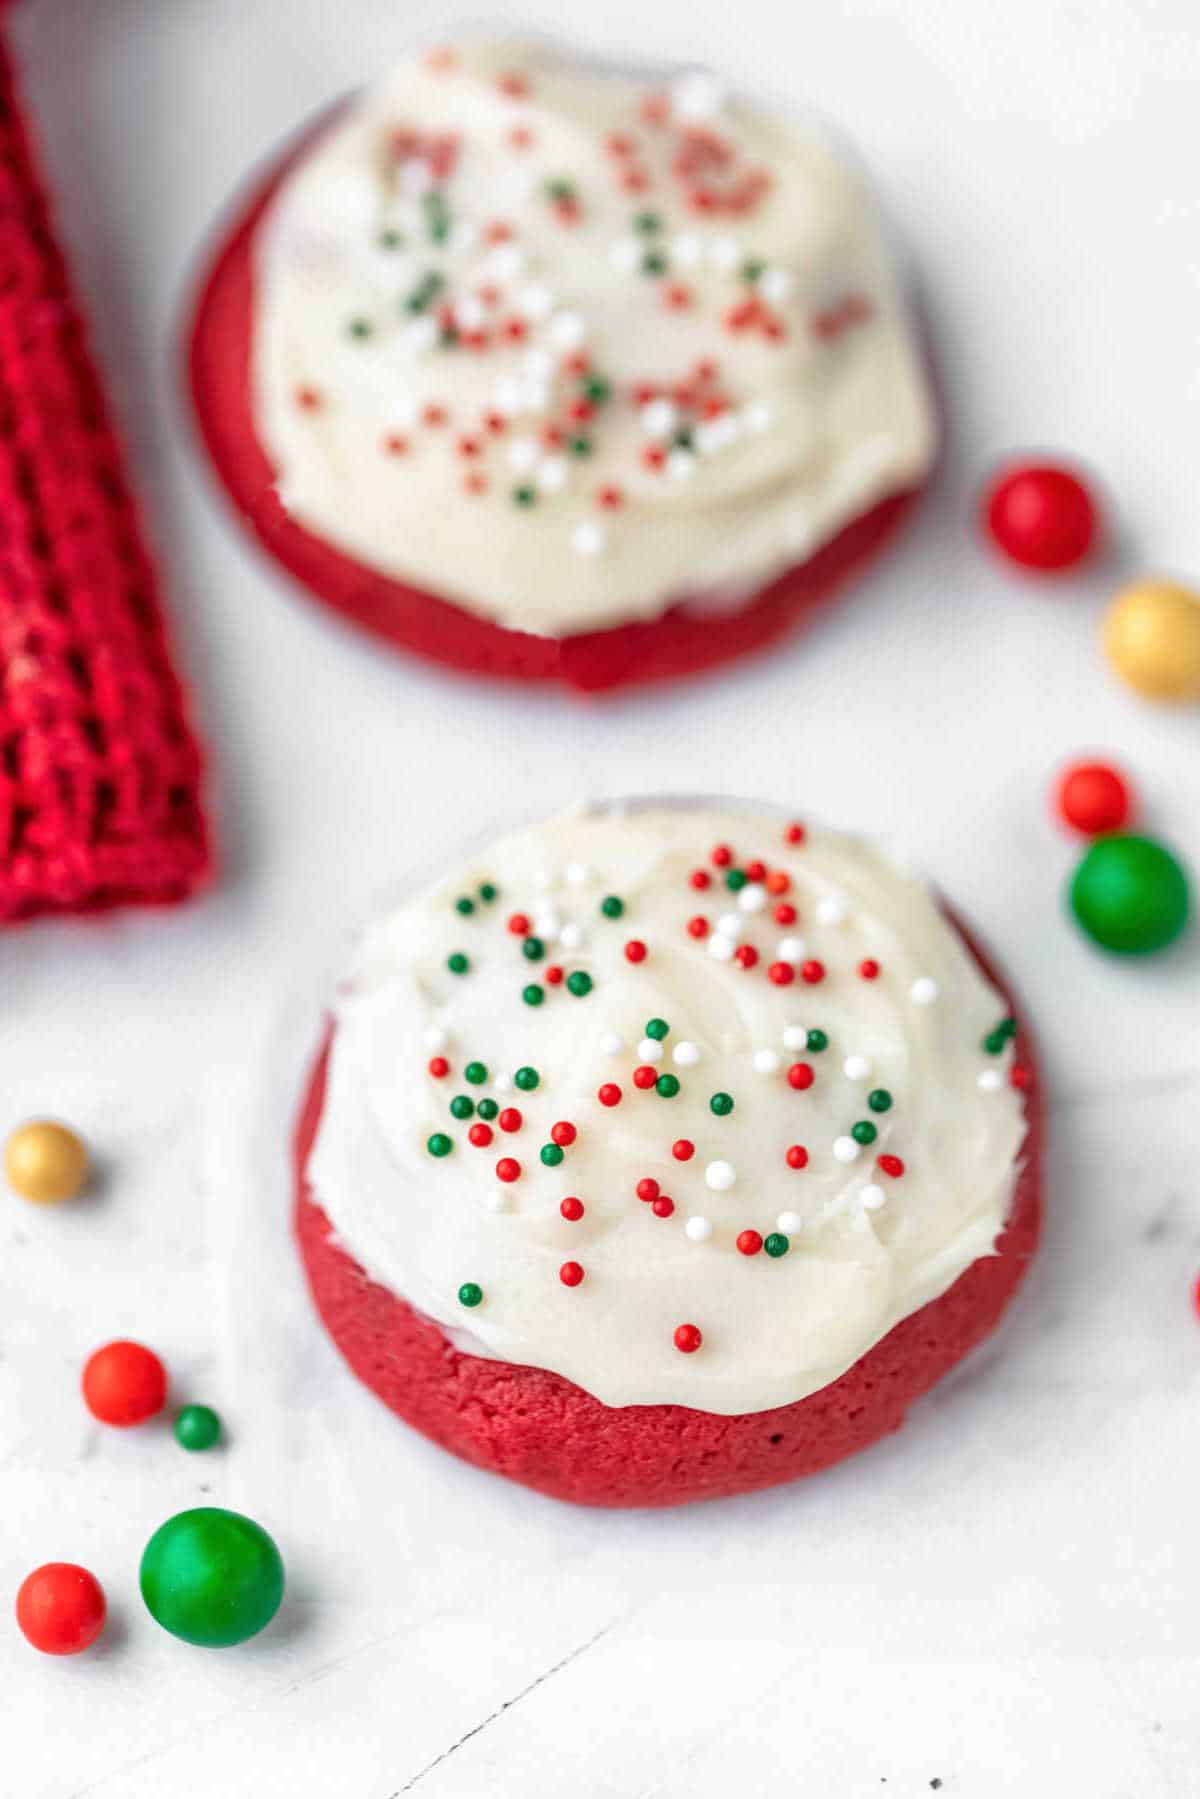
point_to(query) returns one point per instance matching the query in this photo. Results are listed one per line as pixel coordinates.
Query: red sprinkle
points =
(683, 1149)
(721, 856)
(554, 975)
(777, 881)
(800, 1076)
(308, 399)
(697, 927)
(1020, 1077)
(635, 950)
(480, 1135)
(520, 137)
(647, 1188)
(700, 879)
(396, 444)
(563, 1134)
(508, 1169)
(797, 1156)
(438, 1067)
(756, 871)
(644, 1075)
(609, 497)
(812, 972)
(609, 1094)
(514, 86)
(869, 970)
(510, 1119)
(891, 1165)
(782, 973)
(687, 1339)
(570, 1274)
(676, 296)
(795, 833)
(746, 955)
(785, 914)
(519, 925)
(663, 1206)
(435, 415)
(572, 1209)
(749, 1243)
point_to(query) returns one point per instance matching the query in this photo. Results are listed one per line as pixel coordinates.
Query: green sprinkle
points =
(533, 995)
(425, 292)
(526, 1079)
(611, 906)
(524, 496)
(532, 948)
(437, 216)
(462, 1106)
(776, 1244)
(864, 1131)
(487, 1109)
(488, 891)
(580, 446)
(597, 389)
(817, 1041)
(391, 240)
(753, 270)
(997, 1040)
(476, 1073)
(648, 223)
(579, 983)
(721, 1104)
(359, 328)
(735, 880)
(449, 337)
(657, 1028)
(439, 1144)
(654, 263)
(667, 1086)
(197, 1427)
(684, 438)
(880, 1100)
(551, 1154)
(465, 906)
(560, 189)
(470, 1293)
(457, 963)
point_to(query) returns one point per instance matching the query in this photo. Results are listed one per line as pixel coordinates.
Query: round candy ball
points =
(45, 1162)
(124, 1383)
(1093, 798)
(60, 1608)
(1130, 895)
(1040, 516)
(211, 1577)
(1152, 639)
(197, 1427)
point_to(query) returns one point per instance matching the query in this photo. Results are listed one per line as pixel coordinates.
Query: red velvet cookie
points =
(532, 1423)
(617, 507)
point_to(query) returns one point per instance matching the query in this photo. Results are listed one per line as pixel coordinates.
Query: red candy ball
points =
(60, 1608)
(609, 1094)
(1093, 798)
(687, 1339)
(572, 1209)
(749, 1243)
(124, 1383)
(1040, 516)
(570, 1274)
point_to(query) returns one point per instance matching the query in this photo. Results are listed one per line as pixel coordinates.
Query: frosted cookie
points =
(664, 1153)
(543, 372)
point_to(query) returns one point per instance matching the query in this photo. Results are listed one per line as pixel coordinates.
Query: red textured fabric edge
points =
(100, 775)
(665, 648)
(541, 1430)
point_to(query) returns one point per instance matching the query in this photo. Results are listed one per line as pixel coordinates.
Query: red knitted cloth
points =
(99, 772)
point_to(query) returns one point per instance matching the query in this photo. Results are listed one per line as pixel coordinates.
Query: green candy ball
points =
(211, 1577)
(1130, 895)
(197, 1427)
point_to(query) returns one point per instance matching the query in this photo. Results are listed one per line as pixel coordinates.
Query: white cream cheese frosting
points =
(567, 348)
(824, 1121)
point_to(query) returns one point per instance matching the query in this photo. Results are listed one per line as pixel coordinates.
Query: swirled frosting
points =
(822, 1120)
(567, 348)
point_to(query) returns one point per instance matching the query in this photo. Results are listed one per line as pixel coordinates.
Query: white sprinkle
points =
(503, 1083)
(650, 1050)
(552, 474)
(717, 434)
(658, 418)
(686, 1055)
(720, 947)
(720, 1176)
(420, 336)
(776, 286)
(923, 991)
(758, 417)
(496, 1200)
(856, 1068)
(535, 396)
(416, 177)
(625, 253)
(789, 1223)
(729, 924)
(469, 313)
(611, 1043)
(765, 1061)
(464, 234)
(872, 1198)
(681, 465)
(567, 330)
(522, 455)
(436, 1037)
(791, 949)
(725, 253)
(547, 925)
(571, 936)
(697, 94)
(505, 261)
(795, 1036)
(506, 396)
(753, 897)
(697, 1230)
(845, 1149)
(538, 365)
(687, 250)
(577, 874)
(535, 302)
(832, 909)
(991, 1080)
(588, 539)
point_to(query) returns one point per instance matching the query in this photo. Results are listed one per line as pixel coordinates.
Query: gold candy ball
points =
(1152, 639)
(45, 1162)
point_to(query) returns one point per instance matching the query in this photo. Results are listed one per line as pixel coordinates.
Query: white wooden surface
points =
(1004, 1597)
